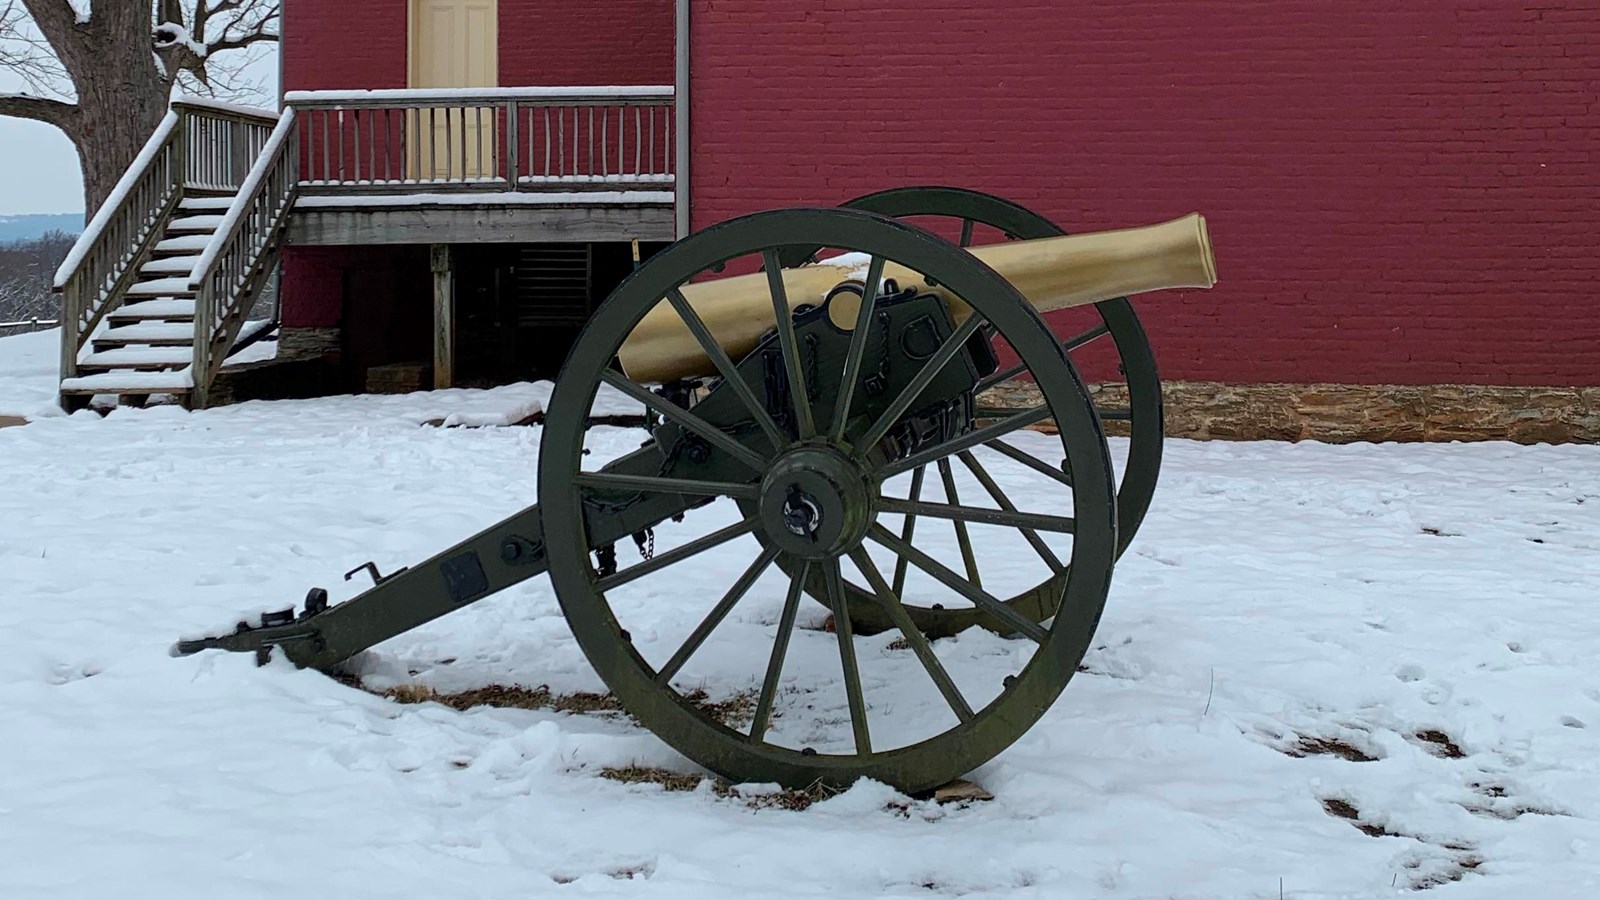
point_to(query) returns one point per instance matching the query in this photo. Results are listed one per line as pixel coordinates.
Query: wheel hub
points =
(816, 503)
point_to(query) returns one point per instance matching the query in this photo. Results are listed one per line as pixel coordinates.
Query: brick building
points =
(1402, 196)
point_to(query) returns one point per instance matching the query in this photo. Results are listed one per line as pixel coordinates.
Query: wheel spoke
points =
(688, 420)
(790, 346)
(970, 439)
(906, 531)
(890, 602)
(1007, 518)
(780, 651)
(726, 368)
(966, 233)
(919, 383)
(1032, 462)
(847, 658)
(677, 554)
(963, 540)
(715, 617)
(614, 481)
(1115, 414)
(979, 597)
(858, 347)
(1068, 345)
(1004, 502)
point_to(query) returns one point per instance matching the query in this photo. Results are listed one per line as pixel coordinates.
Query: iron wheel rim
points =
(665, 710)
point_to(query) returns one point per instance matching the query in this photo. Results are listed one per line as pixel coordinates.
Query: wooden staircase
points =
(147, 344)
(157, 288)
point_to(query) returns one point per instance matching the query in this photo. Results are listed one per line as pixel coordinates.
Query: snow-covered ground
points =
(1406, 634)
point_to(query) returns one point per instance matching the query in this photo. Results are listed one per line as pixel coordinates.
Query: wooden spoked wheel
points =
(714, 614)
(977, 217)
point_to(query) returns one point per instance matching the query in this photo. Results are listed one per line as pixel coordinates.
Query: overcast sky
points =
(39, 167)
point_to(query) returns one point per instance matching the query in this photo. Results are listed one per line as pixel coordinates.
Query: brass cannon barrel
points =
(1052, 273)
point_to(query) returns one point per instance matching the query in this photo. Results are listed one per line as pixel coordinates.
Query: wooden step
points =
(206, 225)
(177, 383)
(170, 265)
(162, 287)
(149, 333)
(138, 358)
(153, 310)
(183, 245)
(218, 203)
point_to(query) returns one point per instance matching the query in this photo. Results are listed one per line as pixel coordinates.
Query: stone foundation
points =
(300, 343)
(399, 378)
(1344, 413)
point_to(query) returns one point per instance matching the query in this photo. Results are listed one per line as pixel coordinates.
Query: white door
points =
(454, 44)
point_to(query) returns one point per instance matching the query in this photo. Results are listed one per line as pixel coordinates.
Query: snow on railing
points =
(485, 139)
(118, 199)
(232, 265)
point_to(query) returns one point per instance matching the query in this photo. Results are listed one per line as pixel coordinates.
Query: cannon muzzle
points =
(1052, 273)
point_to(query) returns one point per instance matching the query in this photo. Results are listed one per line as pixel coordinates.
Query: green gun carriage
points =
(810, 378)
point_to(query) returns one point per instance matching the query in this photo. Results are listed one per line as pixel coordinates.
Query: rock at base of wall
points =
(1345, 413)
(399, 378)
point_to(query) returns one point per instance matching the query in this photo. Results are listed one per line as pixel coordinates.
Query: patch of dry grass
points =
(509, 697)
(790, 799)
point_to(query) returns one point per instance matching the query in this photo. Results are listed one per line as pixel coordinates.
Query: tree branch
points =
(53, 112)
(242, 42)
(56, 20)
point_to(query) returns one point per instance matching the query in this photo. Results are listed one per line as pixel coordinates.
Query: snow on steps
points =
(138, 357)
(167, 308)
(194, 225)
(208, 203)
(171, 265)
(148, 332)
(178, 382)
(185, 244)
(162, 287)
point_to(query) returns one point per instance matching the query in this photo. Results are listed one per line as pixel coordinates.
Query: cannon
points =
(803, 373)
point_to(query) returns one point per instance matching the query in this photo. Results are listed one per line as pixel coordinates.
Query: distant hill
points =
(28, 227)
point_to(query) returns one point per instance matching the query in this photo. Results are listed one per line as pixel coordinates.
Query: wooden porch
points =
(157, 293)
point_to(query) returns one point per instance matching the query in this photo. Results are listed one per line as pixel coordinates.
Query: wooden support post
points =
(444, 315)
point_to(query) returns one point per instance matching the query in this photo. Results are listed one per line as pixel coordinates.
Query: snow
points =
(160, 287)
(147, 309)
(130, 356)
(238, 109)
(126, 381)
(1365, 593)
(173, 34)
(401, 96)
(508, 198)
(630, 178)
(114, 200)
(184, 242)
(151, 331)
(30, 364)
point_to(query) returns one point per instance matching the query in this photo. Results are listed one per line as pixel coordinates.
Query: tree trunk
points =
(115, 122)
(122, 97)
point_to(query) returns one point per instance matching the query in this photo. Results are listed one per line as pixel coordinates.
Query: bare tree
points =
(103, 74)
(27, 269)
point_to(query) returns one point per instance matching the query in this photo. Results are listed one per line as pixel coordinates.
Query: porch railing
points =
(240, 256)
(485, 139)
(198, 146)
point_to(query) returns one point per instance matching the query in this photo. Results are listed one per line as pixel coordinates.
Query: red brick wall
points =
(350, 44)
(560, 42)
(1398, 193)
